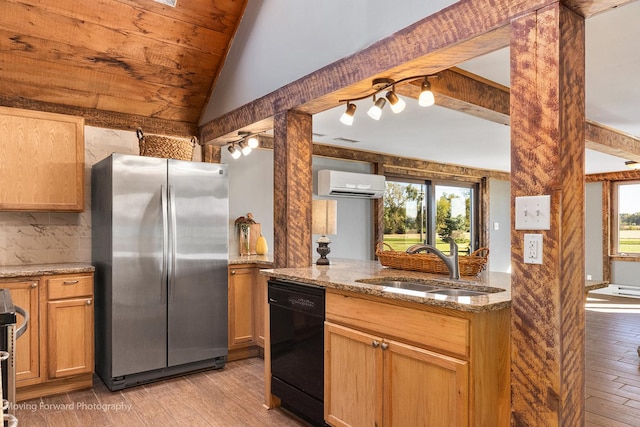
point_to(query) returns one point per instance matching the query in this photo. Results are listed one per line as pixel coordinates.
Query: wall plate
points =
(533, 212)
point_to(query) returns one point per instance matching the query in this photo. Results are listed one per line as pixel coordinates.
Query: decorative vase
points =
(244, 239)
(261, 246)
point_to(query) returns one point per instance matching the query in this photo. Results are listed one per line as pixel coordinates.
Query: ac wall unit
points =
(350, 184)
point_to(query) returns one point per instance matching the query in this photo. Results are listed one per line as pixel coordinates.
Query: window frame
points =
(614, 220)
(430, 205)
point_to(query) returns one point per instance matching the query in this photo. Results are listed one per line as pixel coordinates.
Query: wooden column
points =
(547, 157)
(377, 213)
(293, 187)
(211, 153)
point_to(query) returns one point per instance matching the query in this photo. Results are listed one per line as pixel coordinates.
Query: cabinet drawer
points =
(70, 286)
(413, 325)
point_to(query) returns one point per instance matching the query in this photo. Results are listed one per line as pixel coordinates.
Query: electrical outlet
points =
(533, 248)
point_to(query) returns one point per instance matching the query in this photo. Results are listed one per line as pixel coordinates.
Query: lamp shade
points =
(324, 217)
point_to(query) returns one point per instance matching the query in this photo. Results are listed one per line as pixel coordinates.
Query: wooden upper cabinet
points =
(41, 161)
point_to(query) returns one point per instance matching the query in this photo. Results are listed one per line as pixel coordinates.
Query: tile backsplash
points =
(42, 237)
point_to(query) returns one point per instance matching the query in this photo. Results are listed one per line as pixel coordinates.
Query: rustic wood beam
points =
(547, 158)
(462, 91)
(108, 119)
(399, 165)
(612, 141)
(293, 183)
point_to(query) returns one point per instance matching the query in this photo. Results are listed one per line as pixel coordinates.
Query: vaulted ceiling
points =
(116, 61)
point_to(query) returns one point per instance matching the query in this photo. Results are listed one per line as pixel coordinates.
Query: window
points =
(429, 212)
(626, 227)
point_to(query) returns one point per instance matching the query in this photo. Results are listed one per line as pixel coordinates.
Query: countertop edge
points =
(13, 271)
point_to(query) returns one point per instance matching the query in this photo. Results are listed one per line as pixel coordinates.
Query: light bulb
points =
(347, 116)
(253, 142)
(234, 152)
(244, 148)
(426, 98)
(397, 104)
(375, 112)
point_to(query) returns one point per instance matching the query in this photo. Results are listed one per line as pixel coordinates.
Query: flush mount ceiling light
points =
(397, 104)
(245, 144)
(633, 165)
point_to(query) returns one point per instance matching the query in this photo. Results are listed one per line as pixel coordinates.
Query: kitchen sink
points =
(437, 290)
(412, 286)
(458, 292)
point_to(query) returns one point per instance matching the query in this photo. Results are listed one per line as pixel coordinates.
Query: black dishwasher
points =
(297, 348)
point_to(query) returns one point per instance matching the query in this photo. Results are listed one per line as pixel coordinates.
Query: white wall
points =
(354, 239)
(500, 213)
(250, 190)
(264, 56)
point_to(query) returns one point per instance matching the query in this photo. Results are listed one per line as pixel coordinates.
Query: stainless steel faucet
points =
(450, 261)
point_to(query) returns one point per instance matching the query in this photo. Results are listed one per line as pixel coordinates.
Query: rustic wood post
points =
(547, 157)
(292, 194)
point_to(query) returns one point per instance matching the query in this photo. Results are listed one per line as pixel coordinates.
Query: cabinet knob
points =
(233, 272)
(34, 285)
(88, 302)
(375, 344)
(384, 346)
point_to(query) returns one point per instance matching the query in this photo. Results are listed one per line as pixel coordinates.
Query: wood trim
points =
(614, 176)
(107, 119)
(606, 230)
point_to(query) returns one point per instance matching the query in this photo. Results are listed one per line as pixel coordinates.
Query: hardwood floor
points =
(233, 396)
(229, 397)
(613, 364)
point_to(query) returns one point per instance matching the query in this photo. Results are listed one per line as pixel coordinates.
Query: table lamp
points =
(324, 221)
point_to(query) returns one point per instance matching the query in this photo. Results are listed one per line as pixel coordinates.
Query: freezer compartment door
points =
(198, 205)
(138, 287)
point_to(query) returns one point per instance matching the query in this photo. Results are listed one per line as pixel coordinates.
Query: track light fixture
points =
(245, 144)
(397, 104)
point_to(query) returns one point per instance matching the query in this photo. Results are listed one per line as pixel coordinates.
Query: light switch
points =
(533, 213)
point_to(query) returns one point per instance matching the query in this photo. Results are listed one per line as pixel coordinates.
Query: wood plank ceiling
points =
(115, 61)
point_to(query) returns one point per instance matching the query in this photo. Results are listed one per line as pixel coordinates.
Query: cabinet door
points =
(261, 306)
(25, 294)
(70, 337)
(423, 388)
(353, 378)
(241, 313)
(37, 146)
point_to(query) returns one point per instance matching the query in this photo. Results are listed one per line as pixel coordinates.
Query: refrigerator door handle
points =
(165, 242)
(174, 232)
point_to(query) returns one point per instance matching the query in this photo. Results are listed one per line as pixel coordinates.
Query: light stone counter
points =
(9, 271)
(265, 261)
(346, 275)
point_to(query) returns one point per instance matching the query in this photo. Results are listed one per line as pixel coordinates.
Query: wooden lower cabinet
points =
(70, 337)
(26, 294)
(394, 384)
(394, 364)
(55, 354)
(247, 301)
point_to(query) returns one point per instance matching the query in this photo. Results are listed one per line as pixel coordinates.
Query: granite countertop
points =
(8, 271)
(260, 260)
(346, 275)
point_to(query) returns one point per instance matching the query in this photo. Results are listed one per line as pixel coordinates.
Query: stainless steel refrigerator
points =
(160, 248)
